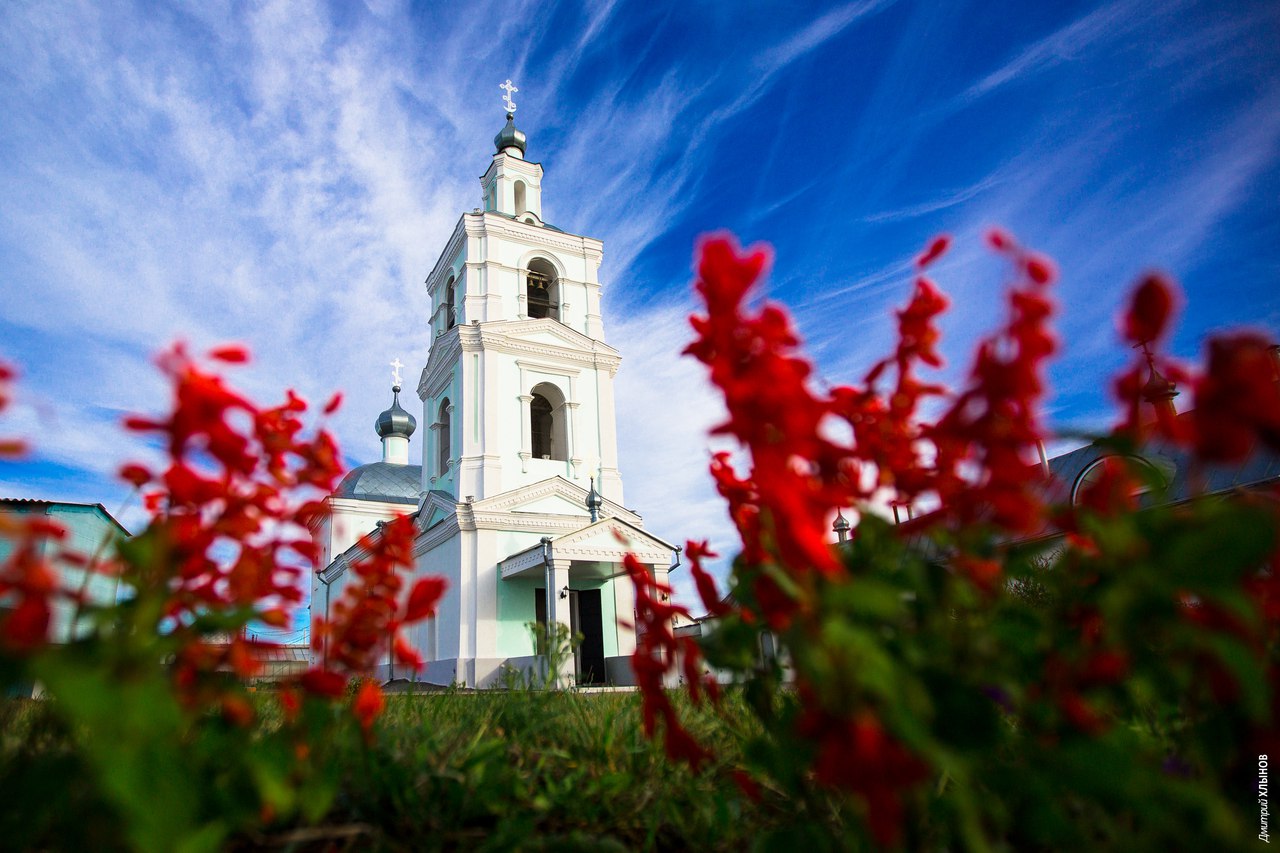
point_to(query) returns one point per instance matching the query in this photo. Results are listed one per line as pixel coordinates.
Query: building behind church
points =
(518, 499)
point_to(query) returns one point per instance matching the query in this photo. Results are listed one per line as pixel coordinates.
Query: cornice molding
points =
(451, 247)
(536, 235)
(552, 487)
(443, 357)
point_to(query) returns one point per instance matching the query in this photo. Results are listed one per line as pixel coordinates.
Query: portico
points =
(575, 573)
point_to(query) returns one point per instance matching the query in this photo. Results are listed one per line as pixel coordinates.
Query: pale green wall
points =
(88, 527)
(516, 608)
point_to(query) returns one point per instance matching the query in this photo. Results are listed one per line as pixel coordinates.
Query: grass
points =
(479, 771)
(541, 771)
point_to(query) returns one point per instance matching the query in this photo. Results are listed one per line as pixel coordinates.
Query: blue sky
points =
(285, 175)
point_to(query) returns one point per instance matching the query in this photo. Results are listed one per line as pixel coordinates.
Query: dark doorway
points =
(587, 621)
(540, 616)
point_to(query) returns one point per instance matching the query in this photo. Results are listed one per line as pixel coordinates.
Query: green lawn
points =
(483, 771)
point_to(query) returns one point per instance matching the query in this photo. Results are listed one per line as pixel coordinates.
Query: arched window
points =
(450, 310)
(1135, 476)
(442, 438)
(491, 198)
(542, 289)
(520, 201)
(549, 437)
(542, 420)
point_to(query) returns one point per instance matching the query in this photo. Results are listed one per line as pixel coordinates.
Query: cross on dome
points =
(506, 99)
(395, 373)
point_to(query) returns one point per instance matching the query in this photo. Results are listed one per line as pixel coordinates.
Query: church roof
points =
(382, 481)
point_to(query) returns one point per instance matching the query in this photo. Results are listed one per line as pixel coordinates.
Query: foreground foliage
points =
(1010, 669)
(492, 771)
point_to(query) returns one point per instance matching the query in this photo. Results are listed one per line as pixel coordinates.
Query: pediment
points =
(434, 507)
(555, 495)
(554, 504)
(550, 333)
(609, 539)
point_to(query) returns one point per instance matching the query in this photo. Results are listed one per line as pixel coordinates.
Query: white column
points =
(522, 295)
(624, 598)
(571, 439)
(526, 447)
(455, 452)
(659, 573)
(558, 612)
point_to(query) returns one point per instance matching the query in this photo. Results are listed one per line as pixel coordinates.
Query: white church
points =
(518, 501)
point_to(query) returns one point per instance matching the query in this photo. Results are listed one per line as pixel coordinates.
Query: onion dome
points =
(395, 420)
(841, 526)
(509, 137)
(594, 501)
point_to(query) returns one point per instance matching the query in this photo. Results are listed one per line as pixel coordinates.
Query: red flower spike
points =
(321, 683)
(237, 710)
(276, 618)
(406, 654)
(231, 354)
(747, 785)
(1040, 269)
(657, 650)
(26, 627)
(368, 704)
(999, 239)
(936, 249)
(290, 704)
(1237, 401)
(706, 585)
(423, 598)
(1150, 308)
(135, 474)
(334, 402)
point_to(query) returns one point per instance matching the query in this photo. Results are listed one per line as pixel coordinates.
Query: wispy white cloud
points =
(1108, 21)
(286, 174)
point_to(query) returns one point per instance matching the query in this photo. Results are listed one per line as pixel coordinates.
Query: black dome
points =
(395, 420)
(509, 137)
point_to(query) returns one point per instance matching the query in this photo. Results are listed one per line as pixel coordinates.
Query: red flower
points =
(406, 654)
(423, 598)
(368, 704)
(857, 754)
(657, 650)
(230, 353)
(135, 474)
(935, 250)
(1150, 308)
(711, 600)
(1040, 269)
(322, 683)
(237, 710)
(1000, 240)
(1237, 401)
(26, 627)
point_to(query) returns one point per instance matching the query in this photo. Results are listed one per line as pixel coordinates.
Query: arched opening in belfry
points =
(450, 305)
(549, 435)
(520, 198)
(442, 438)
(542, 289)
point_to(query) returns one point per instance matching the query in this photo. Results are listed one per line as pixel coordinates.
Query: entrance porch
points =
(578, 581)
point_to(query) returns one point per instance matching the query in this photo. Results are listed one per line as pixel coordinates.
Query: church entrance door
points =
(586, 619)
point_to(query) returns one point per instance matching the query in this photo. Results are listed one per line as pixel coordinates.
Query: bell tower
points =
(518, 387)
